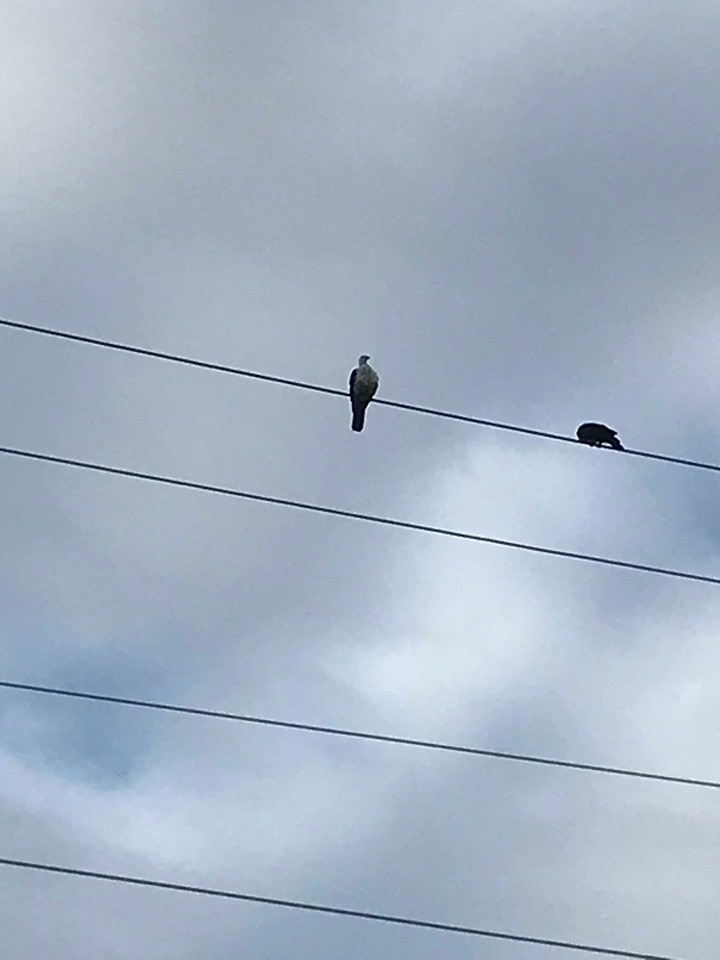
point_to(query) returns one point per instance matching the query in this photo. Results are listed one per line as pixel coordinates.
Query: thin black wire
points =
(336, 911)
(299, 384)
(355, 734)
(353, 515)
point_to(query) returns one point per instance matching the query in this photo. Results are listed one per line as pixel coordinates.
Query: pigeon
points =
(597, 434)
(363, 386)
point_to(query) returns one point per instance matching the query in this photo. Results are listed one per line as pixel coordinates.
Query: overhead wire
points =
(316, 388)
(355, 515)
(336, 911)
(354, 734)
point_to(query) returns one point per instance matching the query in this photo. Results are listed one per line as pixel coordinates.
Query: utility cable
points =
(337, 911)
(355, 734)
(353, 515)
(299, 384)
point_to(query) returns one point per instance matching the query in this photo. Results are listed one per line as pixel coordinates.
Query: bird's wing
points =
(353, 377)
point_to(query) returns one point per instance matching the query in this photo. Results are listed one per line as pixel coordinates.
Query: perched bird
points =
(363, 386)
(597, 434)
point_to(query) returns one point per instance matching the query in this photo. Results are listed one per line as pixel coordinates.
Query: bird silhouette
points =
(597, 435)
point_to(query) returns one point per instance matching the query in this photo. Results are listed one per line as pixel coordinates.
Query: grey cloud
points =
(510, 207)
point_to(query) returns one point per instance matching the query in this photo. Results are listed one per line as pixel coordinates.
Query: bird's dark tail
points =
(615, 443)
(358, 420)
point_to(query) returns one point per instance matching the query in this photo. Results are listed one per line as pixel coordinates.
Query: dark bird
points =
(597, 434)
(363, 387)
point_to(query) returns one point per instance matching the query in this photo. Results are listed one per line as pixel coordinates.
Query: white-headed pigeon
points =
(363, 387)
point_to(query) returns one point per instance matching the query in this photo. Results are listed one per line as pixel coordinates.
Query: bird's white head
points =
(363, 359)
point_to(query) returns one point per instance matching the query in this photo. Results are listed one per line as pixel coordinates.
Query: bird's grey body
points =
(363, 387)
(597, 434)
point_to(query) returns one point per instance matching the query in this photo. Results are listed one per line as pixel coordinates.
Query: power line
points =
(336, 911)
(356, 734)
(353, 515)
(316, 388)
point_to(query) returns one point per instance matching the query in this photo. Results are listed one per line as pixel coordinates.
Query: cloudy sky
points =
(513, 207)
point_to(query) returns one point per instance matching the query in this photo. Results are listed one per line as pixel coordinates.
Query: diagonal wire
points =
(316, 388)
(336, 911)
(354, 515)
(355, 734)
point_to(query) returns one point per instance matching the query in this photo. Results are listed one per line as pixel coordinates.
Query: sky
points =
(512, 207)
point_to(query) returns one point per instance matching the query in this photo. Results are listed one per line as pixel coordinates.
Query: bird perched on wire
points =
(363, 387)
(597, 434)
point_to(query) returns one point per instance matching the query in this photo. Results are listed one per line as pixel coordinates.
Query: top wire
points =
(317, 388)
